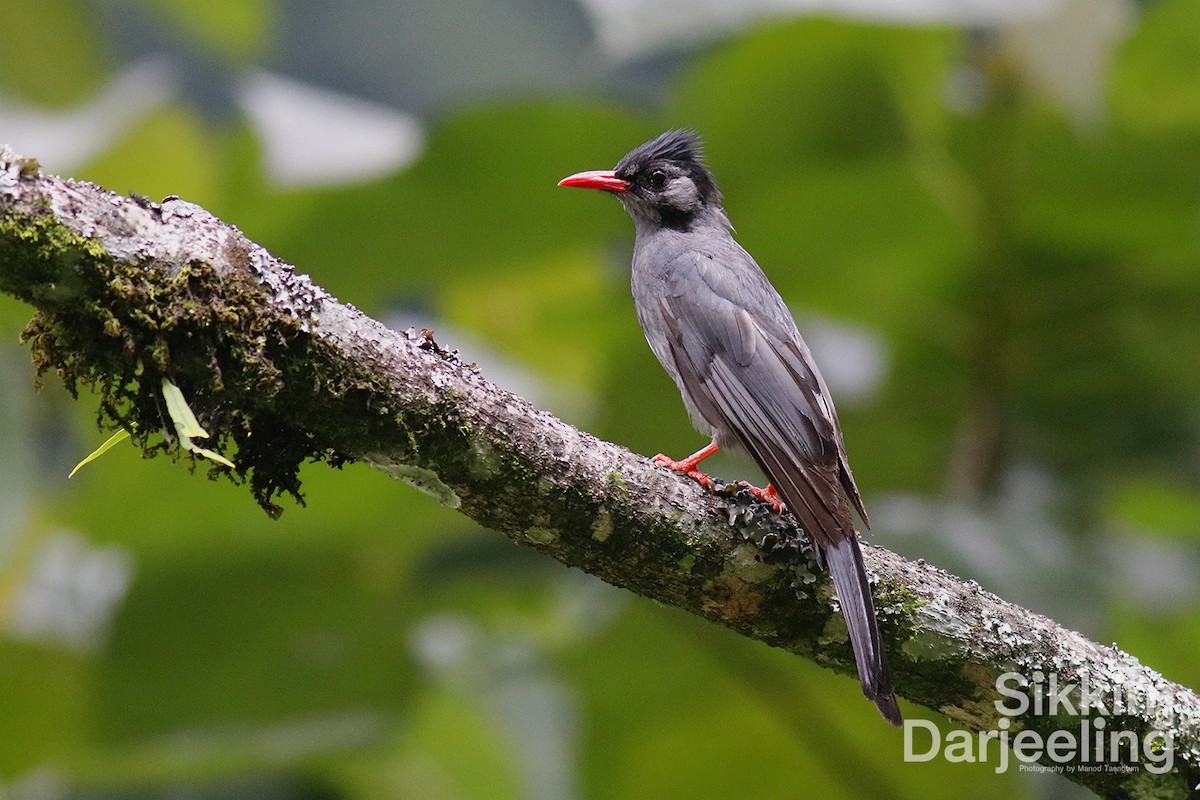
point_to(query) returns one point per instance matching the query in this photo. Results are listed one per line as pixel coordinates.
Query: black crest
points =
(680, 148)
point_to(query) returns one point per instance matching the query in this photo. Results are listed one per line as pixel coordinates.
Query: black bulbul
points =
(724, 335)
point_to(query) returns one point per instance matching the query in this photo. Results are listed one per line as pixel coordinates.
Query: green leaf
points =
(186, 424)
(51, 54)
(1151, 504)
(1156, 82)
(119, 436)
(234, 28)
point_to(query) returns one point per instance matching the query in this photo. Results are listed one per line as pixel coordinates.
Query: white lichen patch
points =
(487, 460)
(541, 535)
(425, 480)
(1001, 627)
(602, 528)
(745, 562)
(946, 637)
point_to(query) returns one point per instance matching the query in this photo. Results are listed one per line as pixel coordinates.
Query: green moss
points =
(900, 600)
(32, 251)
(899, 605)
(617, 481)
(257, 381)
(28, 167)
(542, 536)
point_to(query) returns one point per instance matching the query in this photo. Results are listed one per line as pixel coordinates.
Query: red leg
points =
(688, 465)
(767, 495)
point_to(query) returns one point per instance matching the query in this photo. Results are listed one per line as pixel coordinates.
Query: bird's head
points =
(662, 182)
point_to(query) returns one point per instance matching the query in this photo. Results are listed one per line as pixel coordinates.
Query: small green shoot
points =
(119, 436)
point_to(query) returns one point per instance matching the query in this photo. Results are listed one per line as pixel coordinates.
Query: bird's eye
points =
(658, 179)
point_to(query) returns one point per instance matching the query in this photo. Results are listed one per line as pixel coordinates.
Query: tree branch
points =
(128, 292)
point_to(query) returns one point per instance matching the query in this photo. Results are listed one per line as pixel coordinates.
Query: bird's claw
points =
(687, 467)
(665, 461)
(767, 495)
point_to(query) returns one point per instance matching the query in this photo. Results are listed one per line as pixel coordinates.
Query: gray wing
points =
(754, 380)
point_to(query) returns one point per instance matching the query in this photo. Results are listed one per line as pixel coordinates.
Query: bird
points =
(748, 380)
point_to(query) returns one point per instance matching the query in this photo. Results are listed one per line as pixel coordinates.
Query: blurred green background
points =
(987, 224)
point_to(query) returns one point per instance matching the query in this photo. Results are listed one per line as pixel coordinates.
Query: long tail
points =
(845, 563)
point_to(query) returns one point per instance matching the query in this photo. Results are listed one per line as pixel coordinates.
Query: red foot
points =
(767, 495)
(688, 465)
(682, 466)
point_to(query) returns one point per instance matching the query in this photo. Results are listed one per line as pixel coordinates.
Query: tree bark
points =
(128, 292)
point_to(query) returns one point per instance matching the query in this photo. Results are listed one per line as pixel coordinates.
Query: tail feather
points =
(845, 564)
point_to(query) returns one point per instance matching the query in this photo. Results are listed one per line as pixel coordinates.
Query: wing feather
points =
(762, 391)
(754, 383)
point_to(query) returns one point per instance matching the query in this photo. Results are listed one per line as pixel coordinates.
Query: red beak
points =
(603, 179)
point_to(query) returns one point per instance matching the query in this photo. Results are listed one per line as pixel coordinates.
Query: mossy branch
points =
(128, 292)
